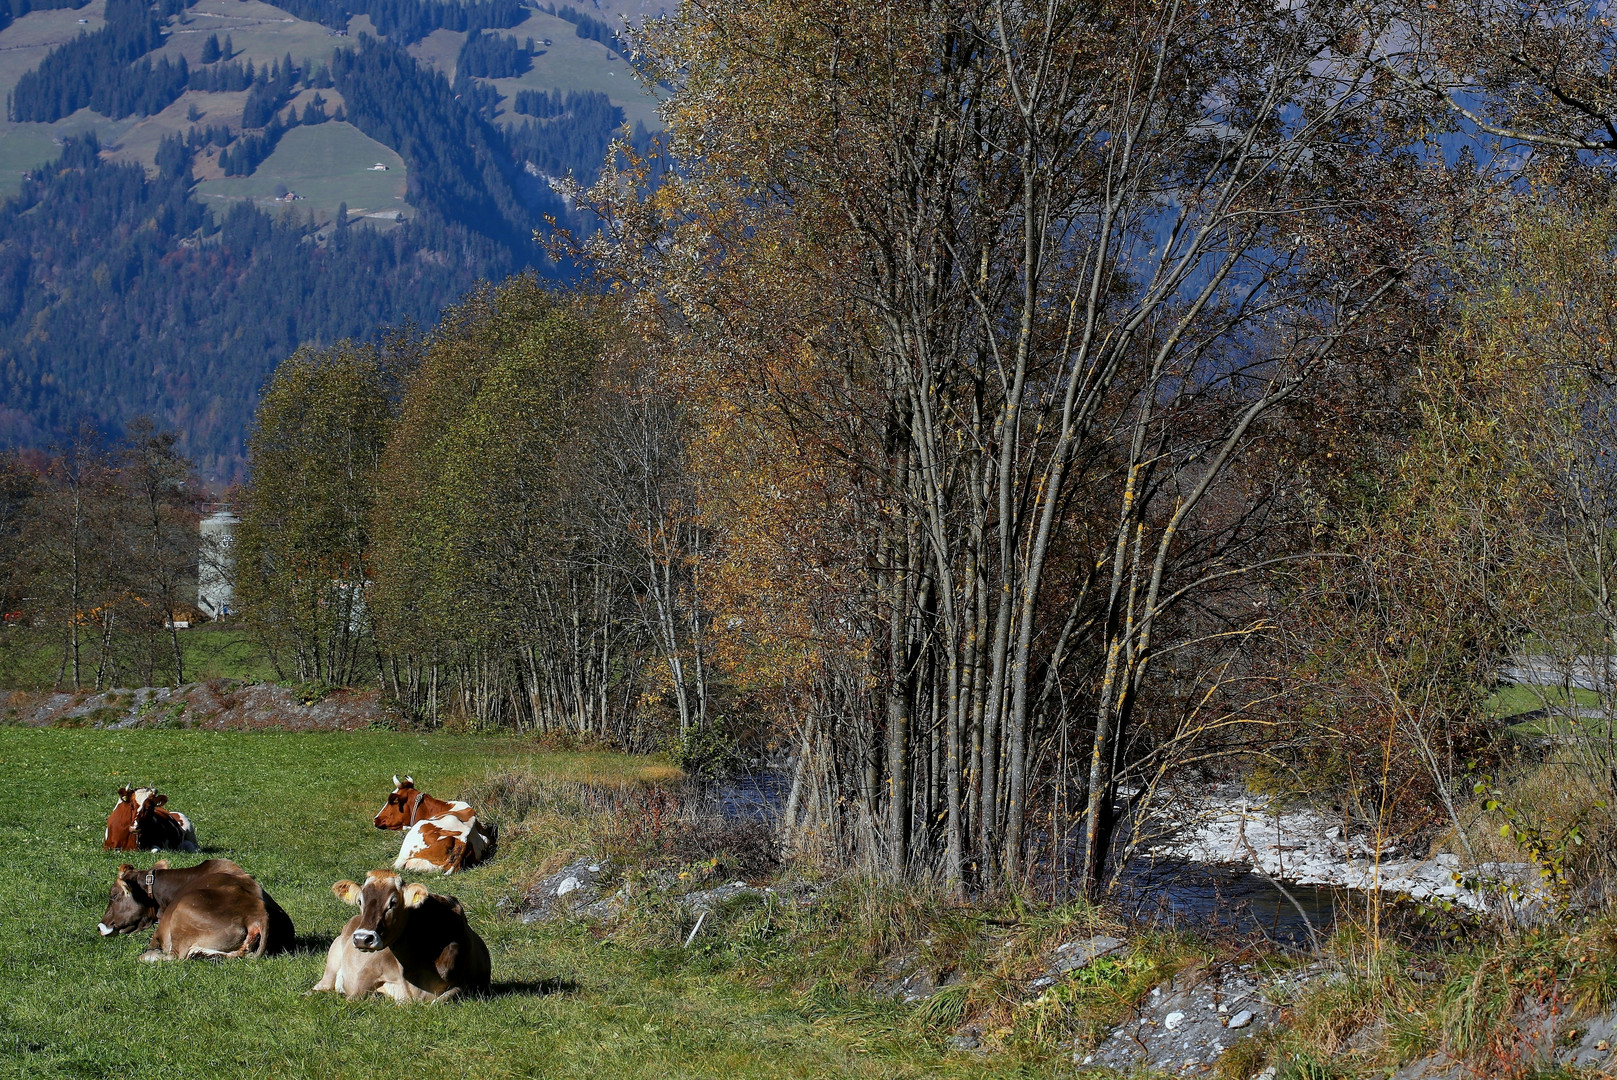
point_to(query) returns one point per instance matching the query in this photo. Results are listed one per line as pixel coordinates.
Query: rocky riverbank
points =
(1299, 845)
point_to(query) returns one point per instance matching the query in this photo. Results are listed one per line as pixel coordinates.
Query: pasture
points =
(294, 809)
(26, 41)
(328, 164)
(574, 63)
(259, 32)
(31, 657)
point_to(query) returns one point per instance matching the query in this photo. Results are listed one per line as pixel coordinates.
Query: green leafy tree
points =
(303, 548)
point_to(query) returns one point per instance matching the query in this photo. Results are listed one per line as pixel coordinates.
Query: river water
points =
(1205, 897)
(1169, 892)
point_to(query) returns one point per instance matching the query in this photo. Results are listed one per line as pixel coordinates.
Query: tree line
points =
(490, 520)
(107, 71)
(588, 27)
(1075, 393)
(494, 56)
(98, 555)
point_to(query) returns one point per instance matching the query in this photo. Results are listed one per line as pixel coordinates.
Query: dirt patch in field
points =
(217, 705)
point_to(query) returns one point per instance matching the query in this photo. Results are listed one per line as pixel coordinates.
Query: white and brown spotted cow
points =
(142, 820)
(406, 943)
(443, 837)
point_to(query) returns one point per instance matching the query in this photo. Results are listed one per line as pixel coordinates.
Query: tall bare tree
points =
(1038, 276)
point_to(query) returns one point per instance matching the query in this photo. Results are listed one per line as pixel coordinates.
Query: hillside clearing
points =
(574, 63)
(327, 165)
(25, 42)
(259, 32)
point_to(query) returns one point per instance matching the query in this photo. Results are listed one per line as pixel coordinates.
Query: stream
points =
(1162, 890)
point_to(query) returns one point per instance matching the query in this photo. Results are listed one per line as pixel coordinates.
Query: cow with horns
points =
(442, 837)
(141, 820)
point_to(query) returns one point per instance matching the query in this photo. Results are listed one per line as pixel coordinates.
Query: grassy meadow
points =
(295, 809)
(327, 165)
(575, 63)
(258, 32)
(31, 657)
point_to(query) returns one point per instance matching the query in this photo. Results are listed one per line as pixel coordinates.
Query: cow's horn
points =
(395, 779)
(410, 780)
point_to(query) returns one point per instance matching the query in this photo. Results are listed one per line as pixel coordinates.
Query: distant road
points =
(1585, 672)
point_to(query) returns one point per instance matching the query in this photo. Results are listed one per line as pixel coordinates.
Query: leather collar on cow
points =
(151, 876)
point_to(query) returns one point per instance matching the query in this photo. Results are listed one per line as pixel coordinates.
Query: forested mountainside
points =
(168, 282)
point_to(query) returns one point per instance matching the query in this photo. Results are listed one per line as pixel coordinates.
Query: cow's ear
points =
(125, 868)
(160, 864)
(346, 891)
(125, 794)
(415, 894)
(158, 800)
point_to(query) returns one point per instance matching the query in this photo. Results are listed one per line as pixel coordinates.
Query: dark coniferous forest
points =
(107, 71)
(121, 296)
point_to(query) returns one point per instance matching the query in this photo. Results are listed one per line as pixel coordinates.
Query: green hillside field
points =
(575, 63)
(326, 165)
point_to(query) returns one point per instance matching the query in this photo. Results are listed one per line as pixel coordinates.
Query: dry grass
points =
(1567, 817)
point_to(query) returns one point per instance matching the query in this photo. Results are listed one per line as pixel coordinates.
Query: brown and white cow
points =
(214, 909)
(443, 837)
(141, 820)
(406, 943)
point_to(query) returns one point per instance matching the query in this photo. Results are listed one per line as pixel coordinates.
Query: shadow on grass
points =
(309, 944)
(539, 988)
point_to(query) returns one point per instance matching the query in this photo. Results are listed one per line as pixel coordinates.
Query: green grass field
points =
(25, 42)
(258, 32)
(574, 63)
(295, 809)
(328, 164)
(1509, 701)
(439, 49)
(31, 657)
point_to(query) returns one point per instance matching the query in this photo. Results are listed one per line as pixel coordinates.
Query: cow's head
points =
(395, 813)
(384, 903)
(147, 803)
(121, 822)
(130, 907)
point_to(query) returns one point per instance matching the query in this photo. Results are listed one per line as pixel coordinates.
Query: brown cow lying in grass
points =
(214, 909)
(141, 821)
(406, 942)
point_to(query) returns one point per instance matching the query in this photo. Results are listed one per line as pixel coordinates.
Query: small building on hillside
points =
(216, 564)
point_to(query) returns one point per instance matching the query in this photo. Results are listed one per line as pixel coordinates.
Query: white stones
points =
(1173, 1020)
(570, 885)
(1241, 1019)
(1306, 847)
